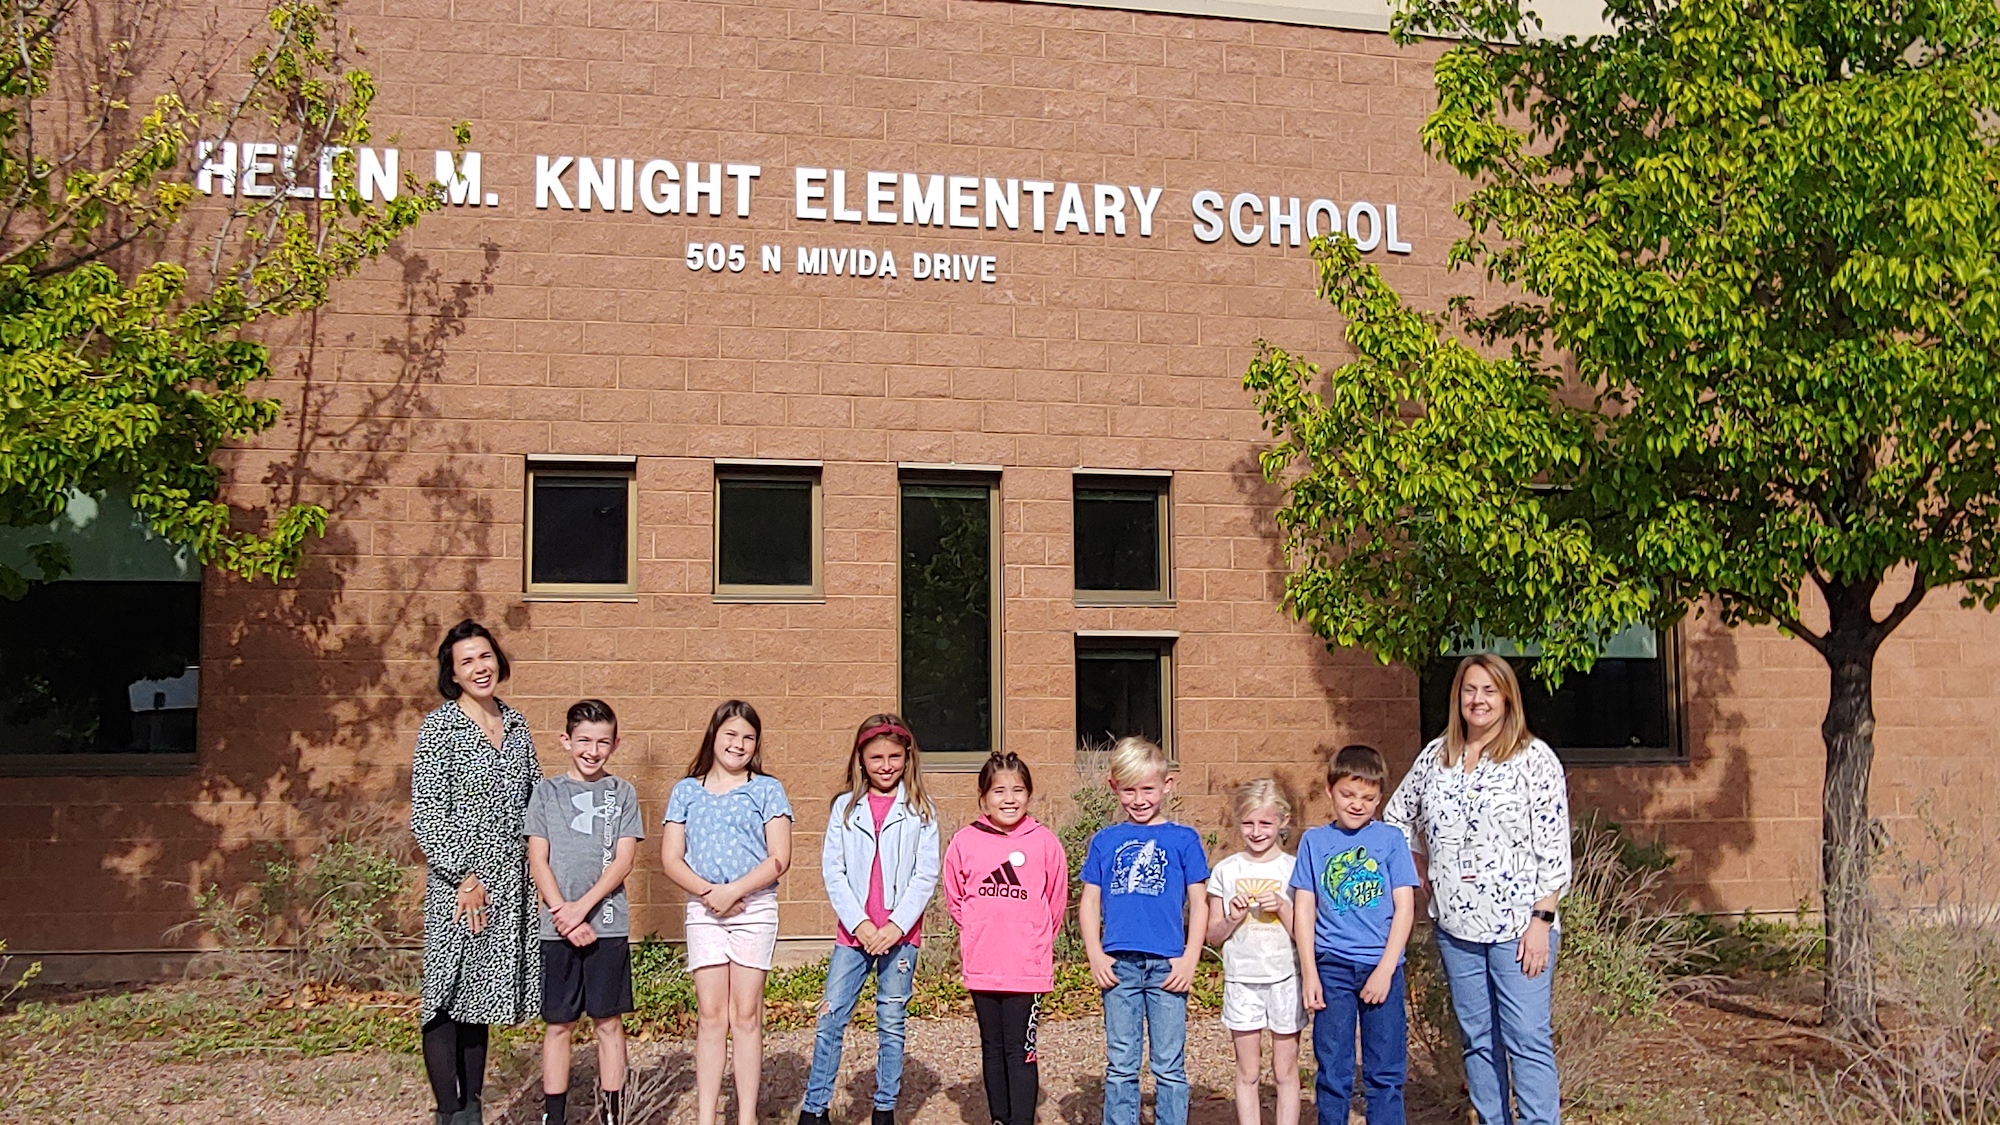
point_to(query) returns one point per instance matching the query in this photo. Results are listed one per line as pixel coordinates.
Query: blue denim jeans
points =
(1503, 1016)
(1385, 1041)
(1139, 1008)
(847, 972)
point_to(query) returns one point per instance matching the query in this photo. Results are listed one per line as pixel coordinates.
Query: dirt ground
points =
(1727, 1058)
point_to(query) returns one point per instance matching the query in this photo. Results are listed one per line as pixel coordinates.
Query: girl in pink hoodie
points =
(1006, 882)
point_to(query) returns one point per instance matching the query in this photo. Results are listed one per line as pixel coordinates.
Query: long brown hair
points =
(704, 758)
(891, 726)
(1514, 732)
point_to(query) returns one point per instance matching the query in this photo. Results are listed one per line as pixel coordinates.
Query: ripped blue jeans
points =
(848, 971)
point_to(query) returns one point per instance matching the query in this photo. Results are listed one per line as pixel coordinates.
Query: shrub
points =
(1624, 952)
(344, 914)
(1938, 975)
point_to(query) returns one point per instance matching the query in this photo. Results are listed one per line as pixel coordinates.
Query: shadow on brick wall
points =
(301, 678)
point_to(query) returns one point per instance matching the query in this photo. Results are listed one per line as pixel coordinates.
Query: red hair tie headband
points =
(880, 729)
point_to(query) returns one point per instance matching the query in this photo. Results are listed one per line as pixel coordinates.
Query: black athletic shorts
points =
(595, 978)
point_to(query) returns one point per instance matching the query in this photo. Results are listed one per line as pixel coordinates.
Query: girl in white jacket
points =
(881, 866)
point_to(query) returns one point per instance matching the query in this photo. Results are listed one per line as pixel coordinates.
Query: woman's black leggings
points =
(1007, 1053)
(455, 1061)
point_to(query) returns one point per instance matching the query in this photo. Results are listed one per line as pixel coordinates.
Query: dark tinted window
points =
(581, 527)
(1117, 539)
(765, 537)
(100, 668)
(1119, 692)
(947, 580)
(1620, 710)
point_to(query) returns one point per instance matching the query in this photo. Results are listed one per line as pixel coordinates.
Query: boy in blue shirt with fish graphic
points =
(1354, 902)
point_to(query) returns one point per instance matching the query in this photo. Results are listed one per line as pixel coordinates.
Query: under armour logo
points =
(586, 812)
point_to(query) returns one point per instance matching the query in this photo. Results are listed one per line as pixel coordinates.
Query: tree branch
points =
(1918, 588)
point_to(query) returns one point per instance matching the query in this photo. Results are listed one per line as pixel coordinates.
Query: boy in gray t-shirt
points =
(583, 830)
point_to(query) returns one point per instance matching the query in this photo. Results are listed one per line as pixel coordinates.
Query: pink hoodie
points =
(1007, 891)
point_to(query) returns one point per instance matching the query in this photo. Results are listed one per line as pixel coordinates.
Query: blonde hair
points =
(1263, 793)
(1133, 757)
(892, 727)
(1513, 725)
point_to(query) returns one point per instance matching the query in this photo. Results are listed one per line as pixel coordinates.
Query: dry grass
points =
(1938, 950)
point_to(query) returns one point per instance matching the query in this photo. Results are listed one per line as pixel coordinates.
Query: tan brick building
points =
(838, 492)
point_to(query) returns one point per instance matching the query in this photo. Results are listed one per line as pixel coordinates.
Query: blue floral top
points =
(725, 831)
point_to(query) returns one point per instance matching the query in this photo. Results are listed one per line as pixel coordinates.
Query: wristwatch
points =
(1548, 916)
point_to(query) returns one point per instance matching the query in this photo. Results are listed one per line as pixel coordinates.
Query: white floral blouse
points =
(1497, 839)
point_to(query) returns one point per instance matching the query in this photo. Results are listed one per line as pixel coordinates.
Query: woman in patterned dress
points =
(1486, 811)
(469, 784)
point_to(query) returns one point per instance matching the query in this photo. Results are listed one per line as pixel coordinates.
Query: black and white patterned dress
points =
(467, 807)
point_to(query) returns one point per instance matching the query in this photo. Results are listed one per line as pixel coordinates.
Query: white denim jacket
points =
(1497, 839)
(910, 860)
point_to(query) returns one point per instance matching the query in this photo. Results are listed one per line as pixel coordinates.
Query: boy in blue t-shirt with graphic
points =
(1355, 899)
(1143, 915)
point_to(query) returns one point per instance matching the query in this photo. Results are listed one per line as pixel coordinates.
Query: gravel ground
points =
(941, 1083)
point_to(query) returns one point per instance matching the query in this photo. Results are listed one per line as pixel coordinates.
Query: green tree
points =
(129, 301)
(1749, 346)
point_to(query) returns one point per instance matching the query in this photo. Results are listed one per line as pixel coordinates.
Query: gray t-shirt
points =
(583, 822)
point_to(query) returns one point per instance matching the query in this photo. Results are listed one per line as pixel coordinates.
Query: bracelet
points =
(1548, 916)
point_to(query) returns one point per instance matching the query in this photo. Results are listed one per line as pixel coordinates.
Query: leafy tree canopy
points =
(124, 364)
(1745, 339)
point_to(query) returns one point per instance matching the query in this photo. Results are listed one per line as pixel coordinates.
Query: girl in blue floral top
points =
(727, 839)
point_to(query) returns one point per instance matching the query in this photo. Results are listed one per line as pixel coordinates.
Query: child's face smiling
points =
(1144, 797)
(1354, 801)
(590, 747)
(735, 744)
(882, 760)
(1261, 829)
(1006, 802)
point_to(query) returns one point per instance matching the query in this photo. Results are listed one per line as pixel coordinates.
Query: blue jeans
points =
(1504, 1019)
(1140, 1006)
(845, 974)
(1385, 1038)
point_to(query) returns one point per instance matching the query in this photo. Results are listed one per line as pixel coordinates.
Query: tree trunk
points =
(1847, 845)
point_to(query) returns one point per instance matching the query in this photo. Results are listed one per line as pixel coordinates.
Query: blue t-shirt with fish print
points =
(1354, 876)
(1142, 872)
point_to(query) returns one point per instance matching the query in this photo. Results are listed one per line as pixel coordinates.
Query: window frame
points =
(729, 468)
(1674, 753)
(580, 466)
(1160, 483)
(1164, 642)
(989, 477)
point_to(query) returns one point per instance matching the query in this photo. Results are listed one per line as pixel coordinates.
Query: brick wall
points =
(494, 333)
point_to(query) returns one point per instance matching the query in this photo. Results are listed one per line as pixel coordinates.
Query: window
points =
(1120, 538)
(583, 530)
(1124, 686)
(99, 670)
(950, 630)
(767, 531)
(1624, 710)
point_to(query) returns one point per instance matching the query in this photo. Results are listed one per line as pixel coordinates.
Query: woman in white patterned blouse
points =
(1486, 810)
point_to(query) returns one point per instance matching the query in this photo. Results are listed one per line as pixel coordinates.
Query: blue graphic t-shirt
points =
(1143, 871)
(1353, 875)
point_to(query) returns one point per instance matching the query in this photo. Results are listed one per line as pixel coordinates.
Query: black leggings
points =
(455, 1061)
(1007, 1054)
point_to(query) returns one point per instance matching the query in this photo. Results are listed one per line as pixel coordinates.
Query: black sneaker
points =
(884, 1117)
(808, 1117)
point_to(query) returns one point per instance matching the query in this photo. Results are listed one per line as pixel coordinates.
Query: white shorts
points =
(1254, 1007)
(747, 937)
